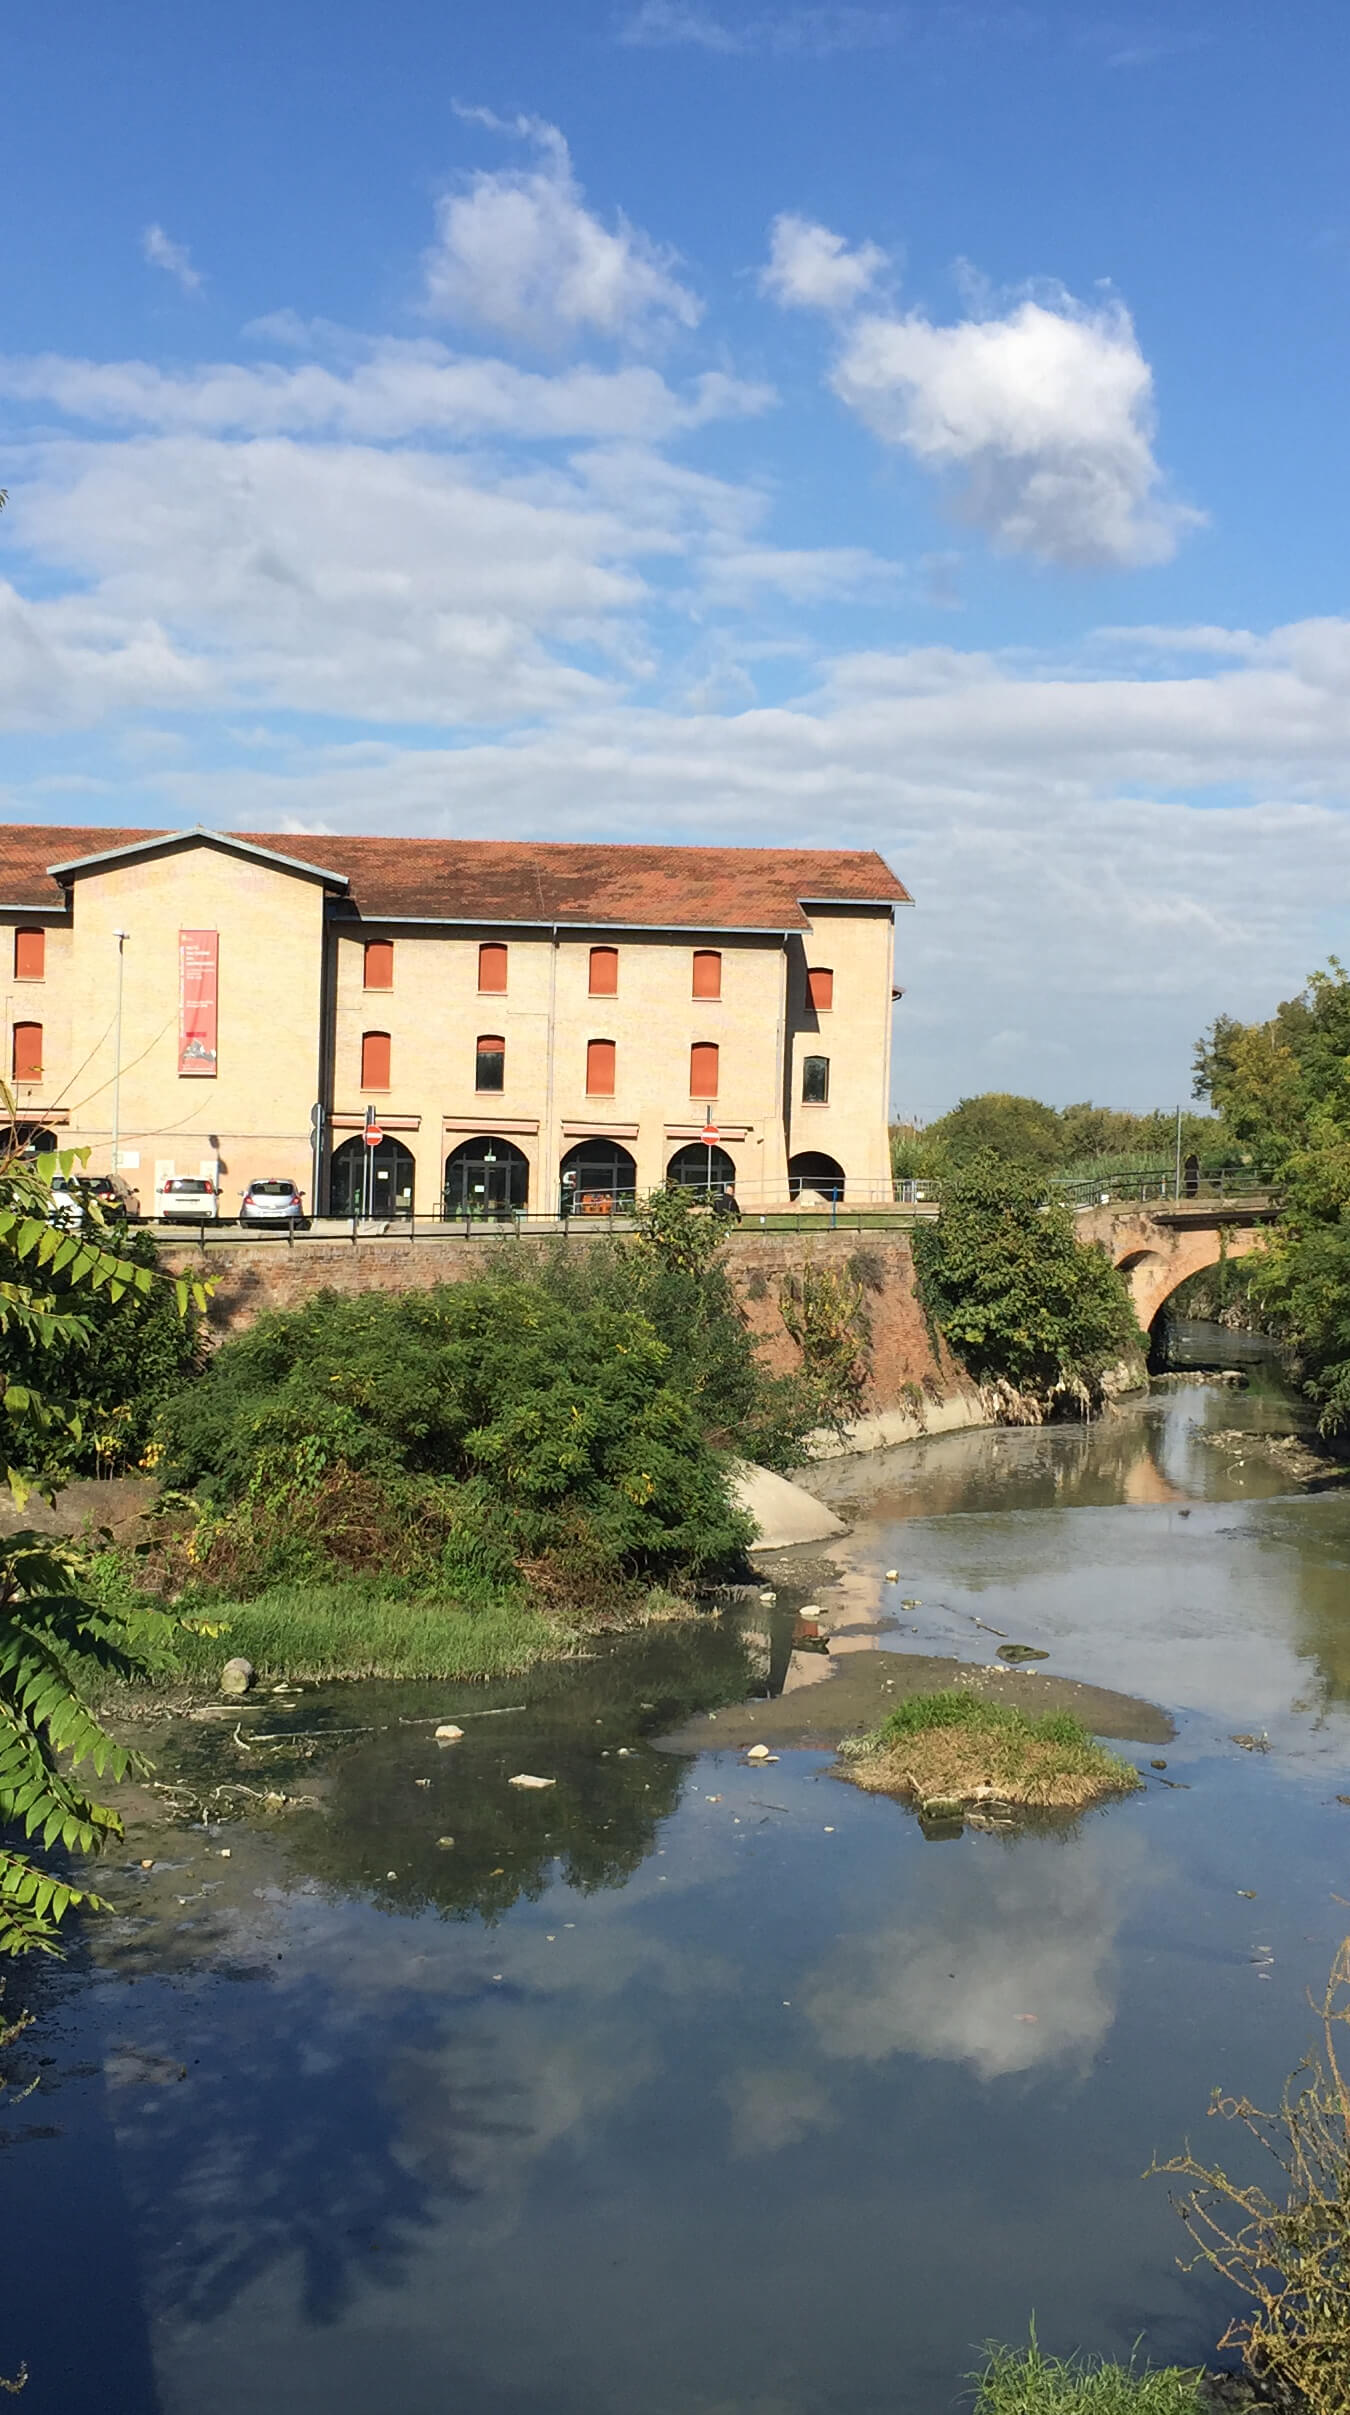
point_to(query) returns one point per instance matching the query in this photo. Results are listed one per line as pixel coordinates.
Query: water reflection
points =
(1001, 1961)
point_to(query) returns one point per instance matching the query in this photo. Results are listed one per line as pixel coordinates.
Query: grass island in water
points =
(951, 1749)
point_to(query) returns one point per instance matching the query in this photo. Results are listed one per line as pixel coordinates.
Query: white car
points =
(186, 1199)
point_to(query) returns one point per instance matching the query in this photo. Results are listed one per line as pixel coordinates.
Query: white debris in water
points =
(524, 1779)
(758, 1752)
(446, 1734)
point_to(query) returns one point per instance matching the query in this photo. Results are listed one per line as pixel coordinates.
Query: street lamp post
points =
(121, 937)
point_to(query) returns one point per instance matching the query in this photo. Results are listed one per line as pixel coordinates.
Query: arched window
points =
(600, 1068)
(365, 1181)
(379, 965)
(374, 1060)
(604, 972)
(599, 1178)
(811, 1171)
(30, 955)
(816, 1081)
(492, 966)
(486, 1177)
(703, 1069)
(820, 988)
(707, 972)
(27, 1057)
(490, 1062)
(696, 1167)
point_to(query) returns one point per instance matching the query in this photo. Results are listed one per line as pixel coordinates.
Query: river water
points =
(685, 2087)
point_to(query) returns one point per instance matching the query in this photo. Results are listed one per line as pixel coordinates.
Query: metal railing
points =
(861, 1207)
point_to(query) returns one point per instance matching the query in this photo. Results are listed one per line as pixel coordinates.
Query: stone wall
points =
(912, 1387)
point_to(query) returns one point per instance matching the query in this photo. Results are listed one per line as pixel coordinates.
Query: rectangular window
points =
(604, 972)
(30, 955)
(820, 988)
(27, 1057)
(379, 970)
(816, 1081)
(703, 1069)
(490, 1063)
(492, 966)
(707, 972)
(374, 1060)
(600, 1068)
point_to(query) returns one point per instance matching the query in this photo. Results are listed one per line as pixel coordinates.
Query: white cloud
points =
(517, 251)
(162, 252)
(812, 269)
(1045, 414)
(392, 389)
(783, 33)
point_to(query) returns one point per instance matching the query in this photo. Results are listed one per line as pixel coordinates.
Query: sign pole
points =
(368, 1185)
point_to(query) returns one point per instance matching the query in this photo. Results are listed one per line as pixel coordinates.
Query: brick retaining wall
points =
(254, 1276)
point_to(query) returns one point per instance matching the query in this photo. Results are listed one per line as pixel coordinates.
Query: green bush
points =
(521, 1422)
(1017, 1295)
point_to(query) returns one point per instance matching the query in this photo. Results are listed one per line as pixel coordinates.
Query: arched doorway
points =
(392, 1175)
(696, 1167)
(810, 1170)
(486, 1177)
(599, 1178)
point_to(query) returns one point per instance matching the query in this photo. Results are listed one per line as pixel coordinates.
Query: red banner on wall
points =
(198, 994)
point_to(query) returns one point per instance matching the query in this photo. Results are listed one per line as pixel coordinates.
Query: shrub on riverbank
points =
(954, 1748)
(1022, 2381)
(559, 1431)
(1288, 2253)
(1020, 1299)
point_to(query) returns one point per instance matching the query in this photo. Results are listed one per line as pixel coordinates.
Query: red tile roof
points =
(508, 881)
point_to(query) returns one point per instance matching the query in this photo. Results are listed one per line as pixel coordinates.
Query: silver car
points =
(275, 1203)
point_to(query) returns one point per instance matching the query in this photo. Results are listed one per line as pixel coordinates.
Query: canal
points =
(682, 2085)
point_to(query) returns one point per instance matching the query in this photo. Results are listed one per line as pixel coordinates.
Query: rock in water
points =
(237, 1676)
(758, 1752)
(525, 1779)
(447, 1733)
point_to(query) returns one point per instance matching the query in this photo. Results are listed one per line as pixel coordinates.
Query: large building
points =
(530, 1027)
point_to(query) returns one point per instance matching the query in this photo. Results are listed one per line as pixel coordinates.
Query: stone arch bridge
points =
(1159, 1246)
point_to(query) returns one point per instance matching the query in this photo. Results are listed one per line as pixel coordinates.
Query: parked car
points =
(275, 1203)
(73, 1193)
(186, 1199)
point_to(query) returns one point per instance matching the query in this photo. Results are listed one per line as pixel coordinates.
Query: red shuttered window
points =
(703, 1069)
(492, 965)
(27, 1057)
(30, 955)
(707, 972)
(374, 1060)
(379, 973)
(600, 1068)
(820, 987)
(604, 972)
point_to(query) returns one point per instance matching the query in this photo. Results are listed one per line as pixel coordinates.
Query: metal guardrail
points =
(909, 1201)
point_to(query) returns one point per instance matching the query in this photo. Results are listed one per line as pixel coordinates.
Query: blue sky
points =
(917, 427)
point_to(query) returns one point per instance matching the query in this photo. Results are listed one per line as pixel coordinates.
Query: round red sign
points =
(372, 1136)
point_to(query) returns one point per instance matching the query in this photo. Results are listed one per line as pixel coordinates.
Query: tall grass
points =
(1023, 2381)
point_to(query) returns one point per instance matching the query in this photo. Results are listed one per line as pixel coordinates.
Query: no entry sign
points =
(709, 1133)
(372, 1136)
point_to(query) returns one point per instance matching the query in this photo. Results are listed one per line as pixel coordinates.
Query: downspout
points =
(323, 1089)
(549, 1154)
